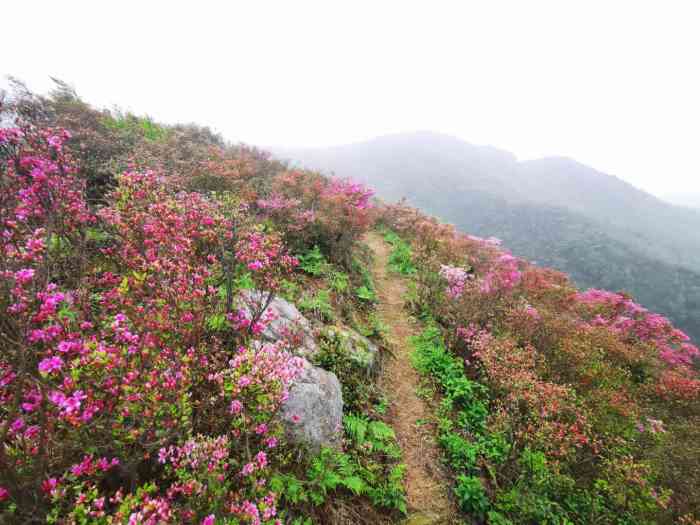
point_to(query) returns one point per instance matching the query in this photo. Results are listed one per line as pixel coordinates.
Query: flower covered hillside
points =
(135, 387)
(589, 403)
(107, 360)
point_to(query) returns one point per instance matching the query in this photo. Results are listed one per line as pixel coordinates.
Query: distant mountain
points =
(603, 231)
(689, 200)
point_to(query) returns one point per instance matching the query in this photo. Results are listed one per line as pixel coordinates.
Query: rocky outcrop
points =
(313, 413)
(287, 322)
(356, 347)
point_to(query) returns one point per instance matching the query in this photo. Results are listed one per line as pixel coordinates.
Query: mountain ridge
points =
(602, 230)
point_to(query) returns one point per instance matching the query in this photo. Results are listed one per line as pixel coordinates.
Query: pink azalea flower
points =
(24, 276)
(50, 364)
(255, 265)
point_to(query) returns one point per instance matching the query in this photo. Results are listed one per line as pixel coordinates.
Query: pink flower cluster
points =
(503, 276)
(356, 194)
(277, 202)
(456, 278)
(635, 323)
(654, 426)
(264, 255)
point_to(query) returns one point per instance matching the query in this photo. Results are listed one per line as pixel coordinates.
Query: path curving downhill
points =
(427, 485)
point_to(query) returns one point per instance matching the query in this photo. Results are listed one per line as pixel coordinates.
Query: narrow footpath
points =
(427, 485)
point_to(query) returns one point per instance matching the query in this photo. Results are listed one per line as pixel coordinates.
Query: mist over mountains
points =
(558, 212)
(689, 200)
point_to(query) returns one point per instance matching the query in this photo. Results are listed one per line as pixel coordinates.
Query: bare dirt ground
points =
(426, 483)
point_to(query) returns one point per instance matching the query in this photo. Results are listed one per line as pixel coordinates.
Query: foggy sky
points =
(612, 84)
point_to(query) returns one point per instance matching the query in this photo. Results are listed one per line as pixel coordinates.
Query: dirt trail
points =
(426, 484)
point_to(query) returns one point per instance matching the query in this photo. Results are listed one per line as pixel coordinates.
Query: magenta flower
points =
(261, 459)
(50, 364)
(48, 485)
(209, 520)
(24, 276)
(17, 425)
(69, 405)
(255, 265)
(31, 432)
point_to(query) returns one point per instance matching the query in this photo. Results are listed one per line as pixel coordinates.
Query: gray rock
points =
(289, 323)
(358, 348)
(313, 413)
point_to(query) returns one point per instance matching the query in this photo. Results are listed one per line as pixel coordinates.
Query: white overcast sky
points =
(614, 84)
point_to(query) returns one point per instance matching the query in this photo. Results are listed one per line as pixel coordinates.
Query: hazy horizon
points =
(691, 200)
(609, 85)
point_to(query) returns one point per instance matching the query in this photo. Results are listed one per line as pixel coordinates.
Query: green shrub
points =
(471, 495)
(313, 262)
(318, 304)
(366, 294)
(372, 327)
(401, 257)
(338, 281)
(368, 468)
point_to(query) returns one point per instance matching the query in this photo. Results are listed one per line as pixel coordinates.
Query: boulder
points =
(288, 323)
(358, 348)
(313, 412)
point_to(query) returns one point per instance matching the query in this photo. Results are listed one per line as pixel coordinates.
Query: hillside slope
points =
(190, 332)
(598, 228)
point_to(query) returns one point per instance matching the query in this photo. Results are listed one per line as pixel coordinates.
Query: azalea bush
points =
(330, 213)
(119, 400)
(138, 261)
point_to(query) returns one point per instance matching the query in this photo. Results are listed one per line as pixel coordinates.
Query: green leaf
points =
(380, 431)
(365, 294)
(354, 484)
(216, 322)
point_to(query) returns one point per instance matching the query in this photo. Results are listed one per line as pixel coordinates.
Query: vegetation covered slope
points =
(555, 406)
(601, 230)
(558, 238)
(134, 388)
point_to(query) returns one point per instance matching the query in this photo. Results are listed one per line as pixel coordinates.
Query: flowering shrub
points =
(503, 276)
(41, 215)
(134, 387)
(635, 323)
(543, 414)
(456, 280)
(242, 170)
(330, 213)
(114, 355)
(264, 255)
